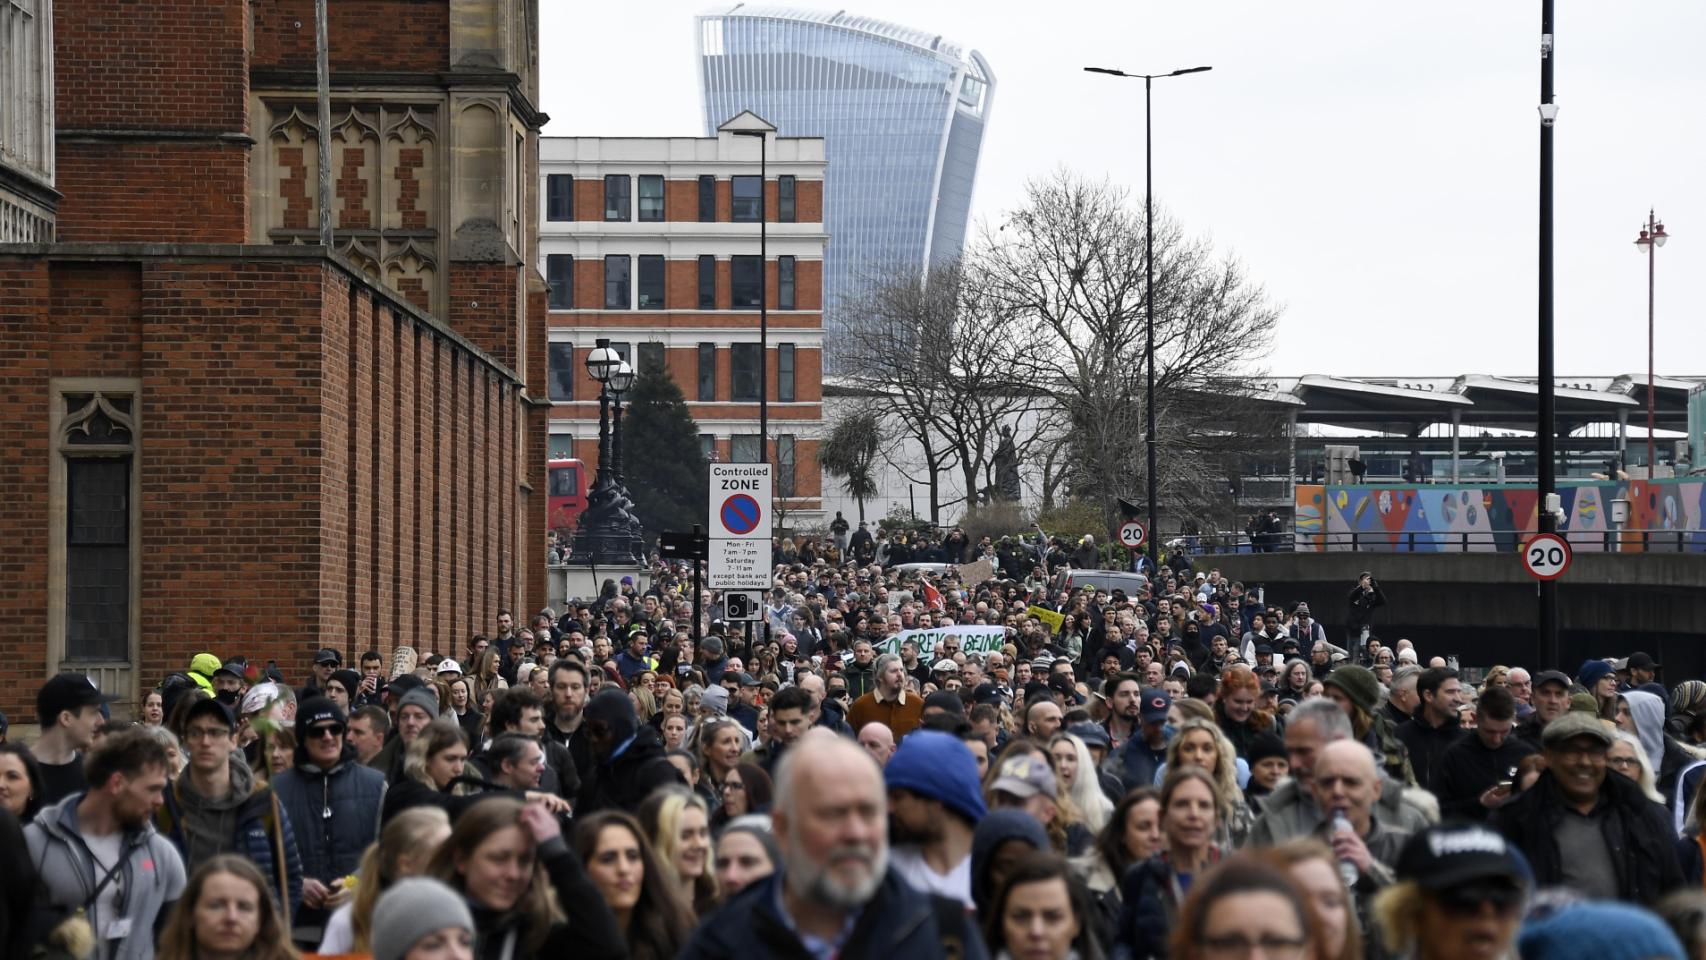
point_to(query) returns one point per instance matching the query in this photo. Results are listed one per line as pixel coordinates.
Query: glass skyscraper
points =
(901, 112)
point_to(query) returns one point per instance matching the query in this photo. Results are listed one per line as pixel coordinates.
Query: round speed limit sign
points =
(1132, 534)
(1546, 556)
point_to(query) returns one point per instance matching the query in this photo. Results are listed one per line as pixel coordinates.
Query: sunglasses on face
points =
(327, 732)
(1466, 899)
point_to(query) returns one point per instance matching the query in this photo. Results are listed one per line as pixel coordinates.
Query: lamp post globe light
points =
(1652, 237)
(608, 533)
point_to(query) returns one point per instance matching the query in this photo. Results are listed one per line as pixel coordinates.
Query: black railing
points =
(1445, 541)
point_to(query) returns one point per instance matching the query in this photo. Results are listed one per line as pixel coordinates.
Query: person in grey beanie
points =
(425, 913)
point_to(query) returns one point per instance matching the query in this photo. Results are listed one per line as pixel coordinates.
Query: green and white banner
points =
(976, 638)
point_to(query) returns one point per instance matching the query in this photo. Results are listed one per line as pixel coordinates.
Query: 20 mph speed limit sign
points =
(1546, 556)
(1132, 534)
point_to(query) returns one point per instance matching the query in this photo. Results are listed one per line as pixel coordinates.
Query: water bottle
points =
(1348, 871)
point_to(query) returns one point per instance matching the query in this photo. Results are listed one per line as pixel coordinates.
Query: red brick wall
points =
(484, 307)
(153, 192)
(26, 357)
(290, 437)
(406, 35)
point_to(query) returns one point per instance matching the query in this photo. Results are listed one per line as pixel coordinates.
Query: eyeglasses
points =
(1622, 762)
(327, 732)
(732, 785)
(1237, 945)
(207, 733)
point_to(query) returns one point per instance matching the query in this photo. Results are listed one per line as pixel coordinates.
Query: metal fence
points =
(1428, 541)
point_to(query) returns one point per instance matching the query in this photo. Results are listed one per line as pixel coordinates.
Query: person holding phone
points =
(1477, 774)
(1364, 599)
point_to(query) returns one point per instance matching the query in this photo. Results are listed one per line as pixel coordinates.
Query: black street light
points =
(763, 289)
(1652, 237)
(608, 533)
(1149, 285)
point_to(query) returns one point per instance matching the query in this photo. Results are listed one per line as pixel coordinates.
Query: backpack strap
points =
(950, 926)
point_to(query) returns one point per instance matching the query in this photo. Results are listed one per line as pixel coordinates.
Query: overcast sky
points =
(1373, 165)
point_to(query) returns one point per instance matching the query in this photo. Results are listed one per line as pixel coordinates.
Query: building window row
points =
(746, 193)
(746, 290)
(743, 369)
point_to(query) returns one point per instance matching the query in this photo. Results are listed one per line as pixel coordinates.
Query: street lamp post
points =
(607, 533)
(1652, 237)
(1149, 287)
(763, 290)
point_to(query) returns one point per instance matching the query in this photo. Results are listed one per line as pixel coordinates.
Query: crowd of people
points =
(890, 764)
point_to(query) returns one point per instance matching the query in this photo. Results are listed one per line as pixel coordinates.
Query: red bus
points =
(567, 497)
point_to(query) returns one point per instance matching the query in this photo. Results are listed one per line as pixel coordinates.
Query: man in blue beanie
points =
(934, 808)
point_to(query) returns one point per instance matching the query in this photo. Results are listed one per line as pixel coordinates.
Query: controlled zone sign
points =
(1132, 534)
(738, 517)
(1546, 556)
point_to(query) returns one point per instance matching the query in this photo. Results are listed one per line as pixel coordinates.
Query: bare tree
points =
(887, 351)
(1071, 262)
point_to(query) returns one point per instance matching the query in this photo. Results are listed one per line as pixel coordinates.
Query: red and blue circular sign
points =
(740, 514)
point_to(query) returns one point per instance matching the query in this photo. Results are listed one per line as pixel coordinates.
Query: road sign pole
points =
(698, 590)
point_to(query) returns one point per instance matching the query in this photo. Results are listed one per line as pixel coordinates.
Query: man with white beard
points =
(834, 894)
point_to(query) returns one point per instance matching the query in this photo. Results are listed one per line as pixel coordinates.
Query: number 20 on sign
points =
(1546, 556)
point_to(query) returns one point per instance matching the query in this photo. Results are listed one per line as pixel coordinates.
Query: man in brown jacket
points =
(888, 703)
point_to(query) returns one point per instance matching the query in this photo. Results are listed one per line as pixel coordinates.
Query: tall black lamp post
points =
(763, 290)
(1149, 286)
(1652, 237)
(608, 532)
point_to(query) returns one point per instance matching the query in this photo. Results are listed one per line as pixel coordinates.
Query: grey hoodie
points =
(152, 876)
(209, 823)
(1648, 712)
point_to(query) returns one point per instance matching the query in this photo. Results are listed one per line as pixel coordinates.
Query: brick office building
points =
(654, 244)
(222, 437)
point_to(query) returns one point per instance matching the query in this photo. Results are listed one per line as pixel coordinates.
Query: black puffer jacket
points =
(1638, 833)
(621, 784)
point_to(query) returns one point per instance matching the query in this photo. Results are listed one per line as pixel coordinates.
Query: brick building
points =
(221, 435)
(654, 244)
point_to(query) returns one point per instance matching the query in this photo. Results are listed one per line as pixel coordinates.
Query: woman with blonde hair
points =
(528, 892)
(1498, 675)
(1076, 773)
(431, 765)
(402, 850)
(226, 912)
(679, 825)
(1200, 743)
(1628, 758)
(1152, 892)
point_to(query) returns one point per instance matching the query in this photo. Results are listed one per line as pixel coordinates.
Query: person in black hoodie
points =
(628, 758)
(529, 893)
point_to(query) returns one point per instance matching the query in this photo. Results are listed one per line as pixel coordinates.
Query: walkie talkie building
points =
(901, 111)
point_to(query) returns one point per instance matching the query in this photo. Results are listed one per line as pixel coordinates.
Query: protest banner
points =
(1053, 620)
(976, 572)
(973, 639)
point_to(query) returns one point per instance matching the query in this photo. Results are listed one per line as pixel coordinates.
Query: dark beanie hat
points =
(946, 700)
(1356, 683)
(316, 710)
(1591, 672)
(350, 679)
(614, 709)
(1265, 745)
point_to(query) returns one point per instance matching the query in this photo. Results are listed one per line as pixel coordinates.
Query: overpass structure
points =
(1481, 607)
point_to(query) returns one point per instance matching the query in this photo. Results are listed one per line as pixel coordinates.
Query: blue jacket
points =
(331, 847)
(259, 825)
(898, 923)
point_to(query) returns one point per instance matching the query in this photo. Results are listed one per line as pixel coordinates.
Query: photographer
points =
(1364, 599)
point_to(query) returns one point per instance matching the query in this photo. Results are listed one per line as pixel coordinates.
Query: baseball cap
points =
(1551, 676)
(1262, 648)
(449, 666)
(1575, 724)
(1447, 855)
(1092, 734)
(210, 705)
(1156, 702)
(748, 680)
(68, 691)
(1643, 661)
(988, 693)
(328, 655)
(1025, 777)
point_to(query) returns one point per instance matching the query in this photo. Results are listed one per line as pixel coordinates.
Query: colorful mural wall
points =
(1497, 518)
